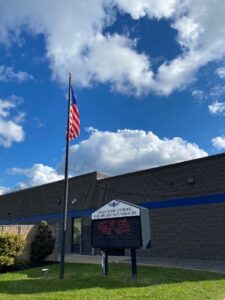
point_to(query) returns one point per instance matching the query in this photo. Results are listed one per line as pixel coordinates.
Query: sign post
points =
(134, 264)
(105, 262)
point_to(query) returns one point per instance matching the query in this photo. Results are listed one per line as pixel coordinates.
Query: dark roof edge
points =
(98, 174)
(186, 162)
(50, 183)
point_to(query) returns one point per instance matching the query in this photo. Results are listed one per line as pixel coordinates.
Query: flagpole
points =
(64, 221)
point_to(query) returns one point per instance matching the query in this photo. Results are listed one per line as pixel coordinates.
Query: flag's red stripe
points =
(75, 126)
(75, 122)
(74, 129)
(74, 118)
(74, 111)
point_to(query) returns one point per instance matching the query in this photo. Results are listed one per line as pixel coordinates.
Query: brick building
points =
(186, 203)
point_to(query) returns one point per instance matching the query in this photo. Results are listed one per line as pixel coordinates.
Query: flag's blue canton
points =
(74, 101)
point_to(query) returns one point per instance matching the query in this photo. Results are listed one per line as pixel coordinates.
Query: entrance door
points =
(76, 235)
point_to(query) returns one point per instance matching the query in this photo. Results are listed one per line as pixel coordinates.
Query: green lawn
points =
(86, 282)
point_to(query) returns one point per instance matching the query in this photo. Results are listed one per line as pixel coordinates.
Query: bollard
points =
(45, 272)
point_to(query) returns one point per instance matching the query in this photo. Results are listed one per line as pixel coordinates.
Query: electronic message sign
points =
(120, 225)
(117, 233)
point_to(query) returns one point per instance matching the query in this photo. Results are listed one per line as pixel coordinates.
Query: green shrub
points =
(43, 244)
(11, 246)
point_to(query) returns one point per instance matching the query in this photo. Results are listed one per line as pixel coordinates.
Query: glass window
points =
(76, 230)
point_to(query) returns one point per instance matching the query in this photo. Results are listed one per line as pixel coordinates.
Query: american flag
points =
(74, 130)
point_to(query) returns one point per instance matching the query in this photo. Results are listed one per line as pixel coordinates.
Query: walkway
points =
(204, 265)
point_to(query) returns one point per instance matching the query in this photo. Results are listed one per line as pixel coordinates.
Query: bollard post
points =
(45, 272)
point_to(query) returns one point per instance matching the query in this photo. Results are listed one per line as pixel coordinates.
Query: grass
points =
(84, 281)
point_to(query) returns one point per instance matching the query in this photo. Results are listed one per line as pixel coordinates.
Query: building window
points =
(76, 235)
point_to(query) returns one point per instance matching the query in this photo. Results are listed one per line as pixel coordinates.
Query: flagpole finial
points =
(70, 74)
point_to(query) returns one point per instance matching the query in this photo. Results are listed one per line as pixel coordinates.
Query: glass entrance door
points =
(76, 235)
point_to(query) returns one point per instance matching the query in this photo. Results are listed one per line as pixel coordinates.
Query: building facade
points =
(186, 203)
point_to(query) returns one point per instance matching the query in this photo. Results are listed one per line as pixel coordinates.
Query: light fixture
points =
(191, 180)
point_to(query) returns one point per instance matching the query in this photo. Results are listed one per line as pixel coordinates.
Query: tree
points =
(43, 243)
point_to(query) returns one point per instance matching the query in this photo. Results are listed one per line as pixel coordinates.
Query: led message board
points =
(117, 233)
(120, 225)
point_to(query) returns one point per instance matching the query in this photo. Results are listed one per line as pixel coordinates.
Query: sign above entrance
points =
(116, 209)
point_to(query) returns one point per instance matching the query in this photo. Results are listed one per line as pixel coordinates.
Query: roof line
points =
(186, 162)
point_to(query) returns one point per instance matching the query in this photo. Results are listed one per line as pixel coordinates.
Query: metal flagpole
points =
(64, 221)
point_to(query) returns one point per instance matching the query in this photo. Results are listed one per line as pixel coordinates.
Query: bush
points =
(11, 246)
(43, 244)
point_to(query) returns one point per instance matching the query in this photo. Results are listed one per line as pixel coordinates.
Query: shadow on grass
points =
(84, 276)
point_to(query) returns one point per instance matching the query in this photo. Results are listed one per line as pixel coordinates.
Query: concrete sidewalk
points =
(203, 265)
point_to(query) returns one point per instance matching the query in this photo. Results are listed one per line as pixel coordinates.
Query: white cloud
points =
(199, 94)
(127, 151)
(152, 8)
(217, 91)
(10, 132)
(10, 129)
(5, 106)
(20, 117)
(38, 123)
(75, 40)
(127, 71)
(200, 39)
(4, 190)
(219, 142)
(38, 174)
(8, 74)
(113, 153)
(221, 72)
(217, 108)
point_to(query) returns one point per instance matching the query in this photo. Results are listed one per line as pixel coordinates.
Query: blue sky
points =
(149, 78)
